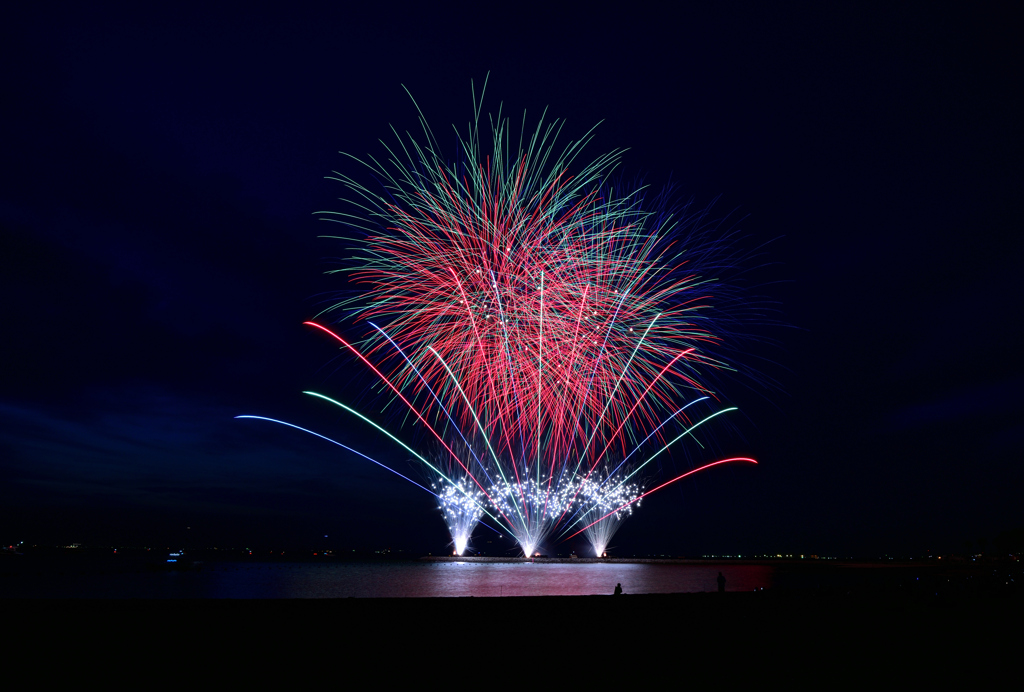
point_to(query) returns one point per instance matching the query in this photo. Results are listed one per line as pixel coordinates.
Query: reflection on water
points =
(526, 579)
(398, 579)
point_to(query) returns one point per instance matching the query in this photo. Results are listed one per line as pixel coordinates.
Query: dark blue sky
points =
(160, 252)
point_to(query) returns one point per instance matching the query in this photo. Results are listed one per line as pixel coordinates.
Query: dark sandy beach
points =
(920, 631)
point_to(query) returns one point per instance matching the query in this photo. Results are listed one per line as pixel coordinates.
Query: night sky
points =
(159, 254)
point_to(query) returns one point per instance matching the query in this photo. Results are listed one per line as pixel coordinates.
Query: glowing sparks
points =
(535, 319)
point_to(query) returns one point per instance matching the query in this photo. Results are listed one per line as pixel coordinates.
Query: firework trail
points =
(515, 296)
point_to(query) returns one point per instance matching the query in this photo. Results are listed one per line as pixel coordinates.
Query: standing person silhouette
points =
(721, 583)
(618, 589)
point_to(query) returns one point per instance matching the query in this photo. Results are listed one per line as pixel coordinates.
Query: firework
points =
(462, 504)
(513, 296)
(609, 500)
(461, 507)
(539, 304)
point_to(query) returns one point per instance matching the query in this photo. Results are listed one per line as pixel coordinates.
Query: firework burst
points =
(515, 296)
(604, 506)
(461, 502)
(540, 305)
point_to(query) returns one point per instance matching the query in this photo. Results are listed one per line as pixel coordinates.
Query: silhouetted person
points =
(721, 583)
(618, 589)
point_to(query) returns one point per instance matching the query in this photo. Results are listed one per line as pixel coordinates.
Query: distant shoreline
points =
(680, 561)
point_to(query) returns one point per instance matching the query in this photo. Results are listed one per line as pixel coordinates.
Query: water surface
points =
(392, 580)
